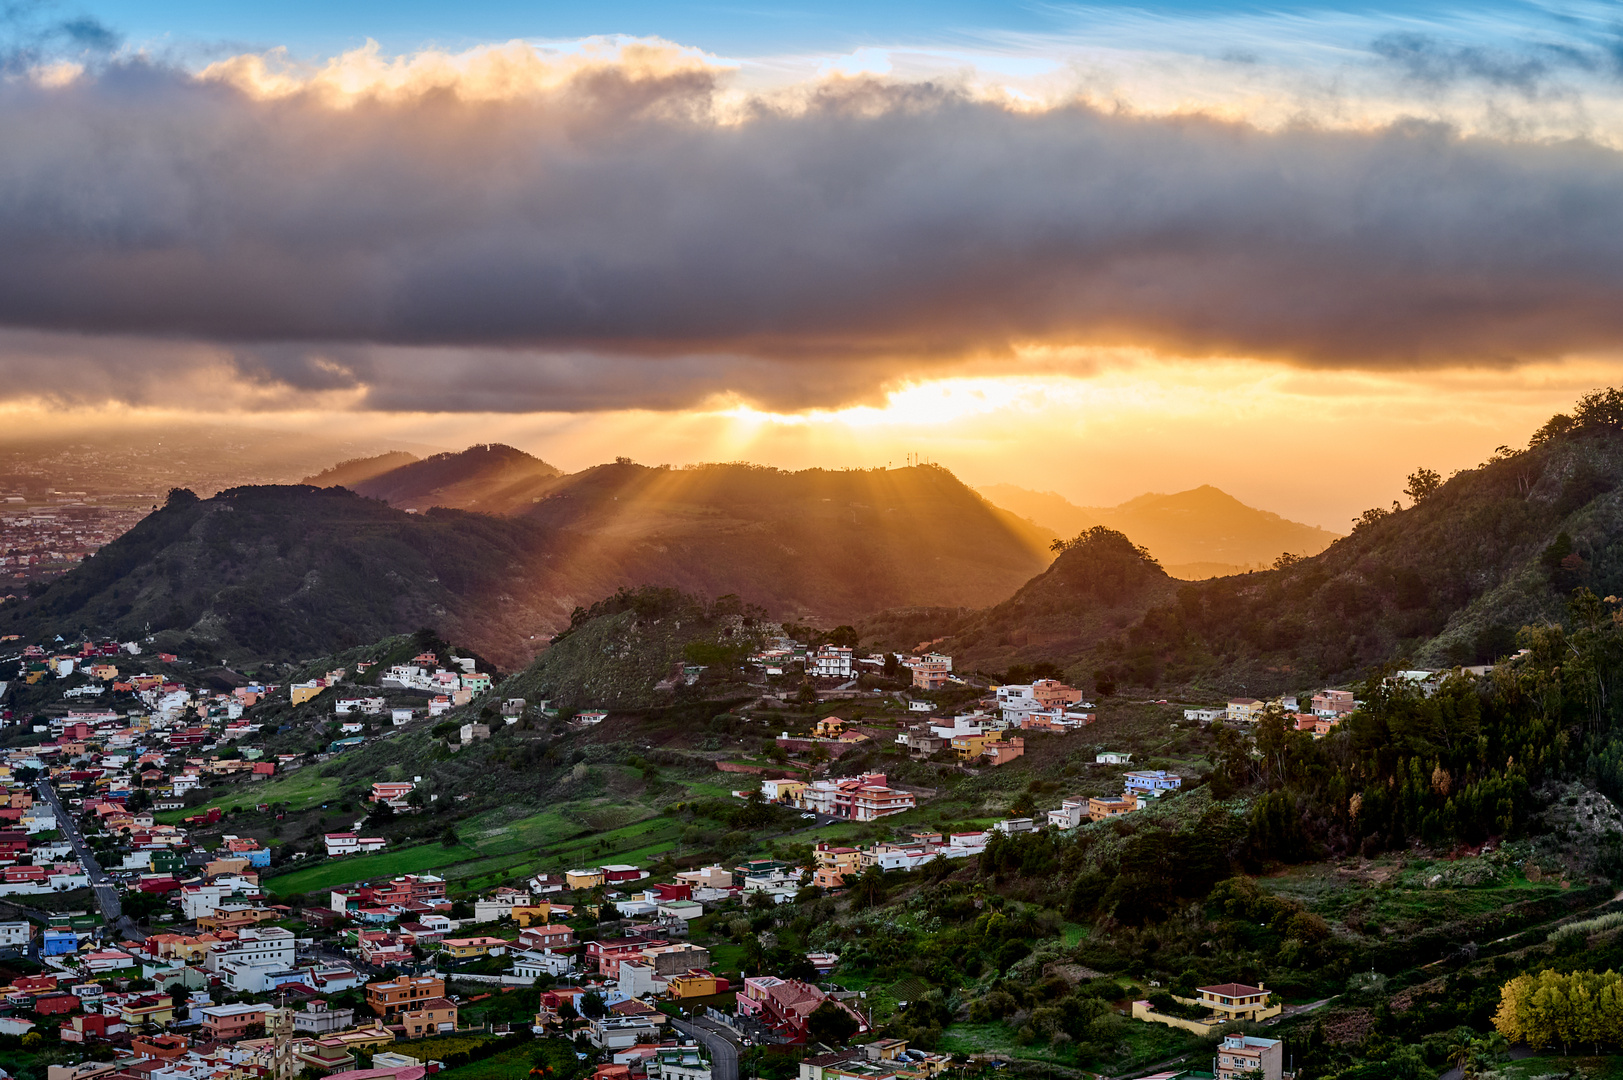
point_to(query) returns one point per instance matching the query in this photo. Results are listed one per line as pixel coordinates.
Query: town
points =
(145, 792)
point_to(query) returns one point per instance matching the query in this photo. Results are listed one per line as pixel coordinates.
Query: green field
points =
(1141, 1043)
(331, 875)
(300, 789)
(491, 853)
(503, 1066)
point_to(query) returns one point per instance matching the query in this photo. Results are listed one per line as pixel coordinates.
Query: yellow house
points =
(829, 727)
(692, 984)
(1237, 1001)
(156, 1008)
(302, 692)
(533, 914)
(970, 747)
(841, 860)
(583, 879)
(783, 790)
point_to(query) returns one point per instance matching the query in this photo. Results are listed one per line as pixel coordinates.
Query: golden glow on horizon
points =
(1312, 446)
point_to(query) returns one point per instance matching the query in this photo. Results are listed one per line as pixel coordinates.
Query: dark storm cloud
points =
(608, 242)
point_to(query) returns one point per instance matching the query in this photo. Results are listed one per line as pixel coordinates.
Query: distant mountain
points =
(1449, 581)
(358, 470)
(285, 572)
(489, 477)
(830, 543)
(1050, 510)
(293, 572)
(1194, 534)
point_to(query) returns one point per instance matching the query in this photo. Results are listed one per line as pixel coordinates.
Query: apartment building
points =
(390, 999)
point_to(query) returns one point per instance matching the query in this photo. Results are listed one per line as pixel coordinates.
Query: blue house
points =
(257, 857)
(1153, 781)
(59, 941)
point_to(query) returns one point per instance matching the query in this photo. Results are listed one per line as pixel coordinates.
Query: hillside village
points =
(156, 937)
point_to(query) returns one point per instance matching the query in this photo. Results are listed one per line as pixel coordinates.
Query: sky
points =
(1294, 251)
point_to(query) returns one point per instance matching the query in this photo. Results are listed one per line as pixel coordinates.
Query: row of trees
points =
(1578, 1009)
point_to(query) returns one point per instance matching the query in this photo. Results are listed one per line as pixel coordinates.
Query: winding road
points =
(723, 1051)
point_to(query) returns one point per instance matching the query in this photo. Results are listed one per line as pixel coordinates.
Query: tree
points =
(869, 888)
(1422, 483)
(449, 837)
(592, 1006)
(382, 813)
(832, 1024)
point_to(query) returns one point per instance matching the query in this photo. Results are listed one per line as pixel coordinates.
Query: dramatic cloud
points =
(508, 230)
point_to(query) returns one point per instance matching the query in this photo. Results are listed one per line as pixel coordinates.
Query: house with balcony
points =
(1100, 809)
(1240, 1057)
(1071, 813)
(1152, 782)
(1244, 710)
(1237, 1001)
(389, 999)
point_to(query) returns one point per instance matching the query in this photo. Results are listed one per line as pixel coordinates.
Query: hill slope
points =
(834, 544)
(359, 470)
(1099, 584)
(1195, 534)
(490, 477)
(1448, 581)
(285, 572)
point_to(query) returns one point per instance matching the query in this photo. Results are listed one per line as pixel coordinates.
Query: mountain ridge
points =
(1197, 533)
(490, 477)
(296, 570)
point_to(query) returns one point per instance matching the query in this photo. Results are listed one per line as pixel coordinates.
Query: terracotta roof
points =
(1232, 990)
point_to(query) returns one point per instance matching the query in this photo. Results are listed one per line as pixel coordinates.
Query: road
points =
(723, 1052)
(100, 884)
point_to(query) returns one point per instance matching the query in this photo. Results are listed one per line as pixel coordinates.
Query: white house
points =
(534, 963)
(1071, 813)
(829, 662)
(351, 844)
(1112, 757)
